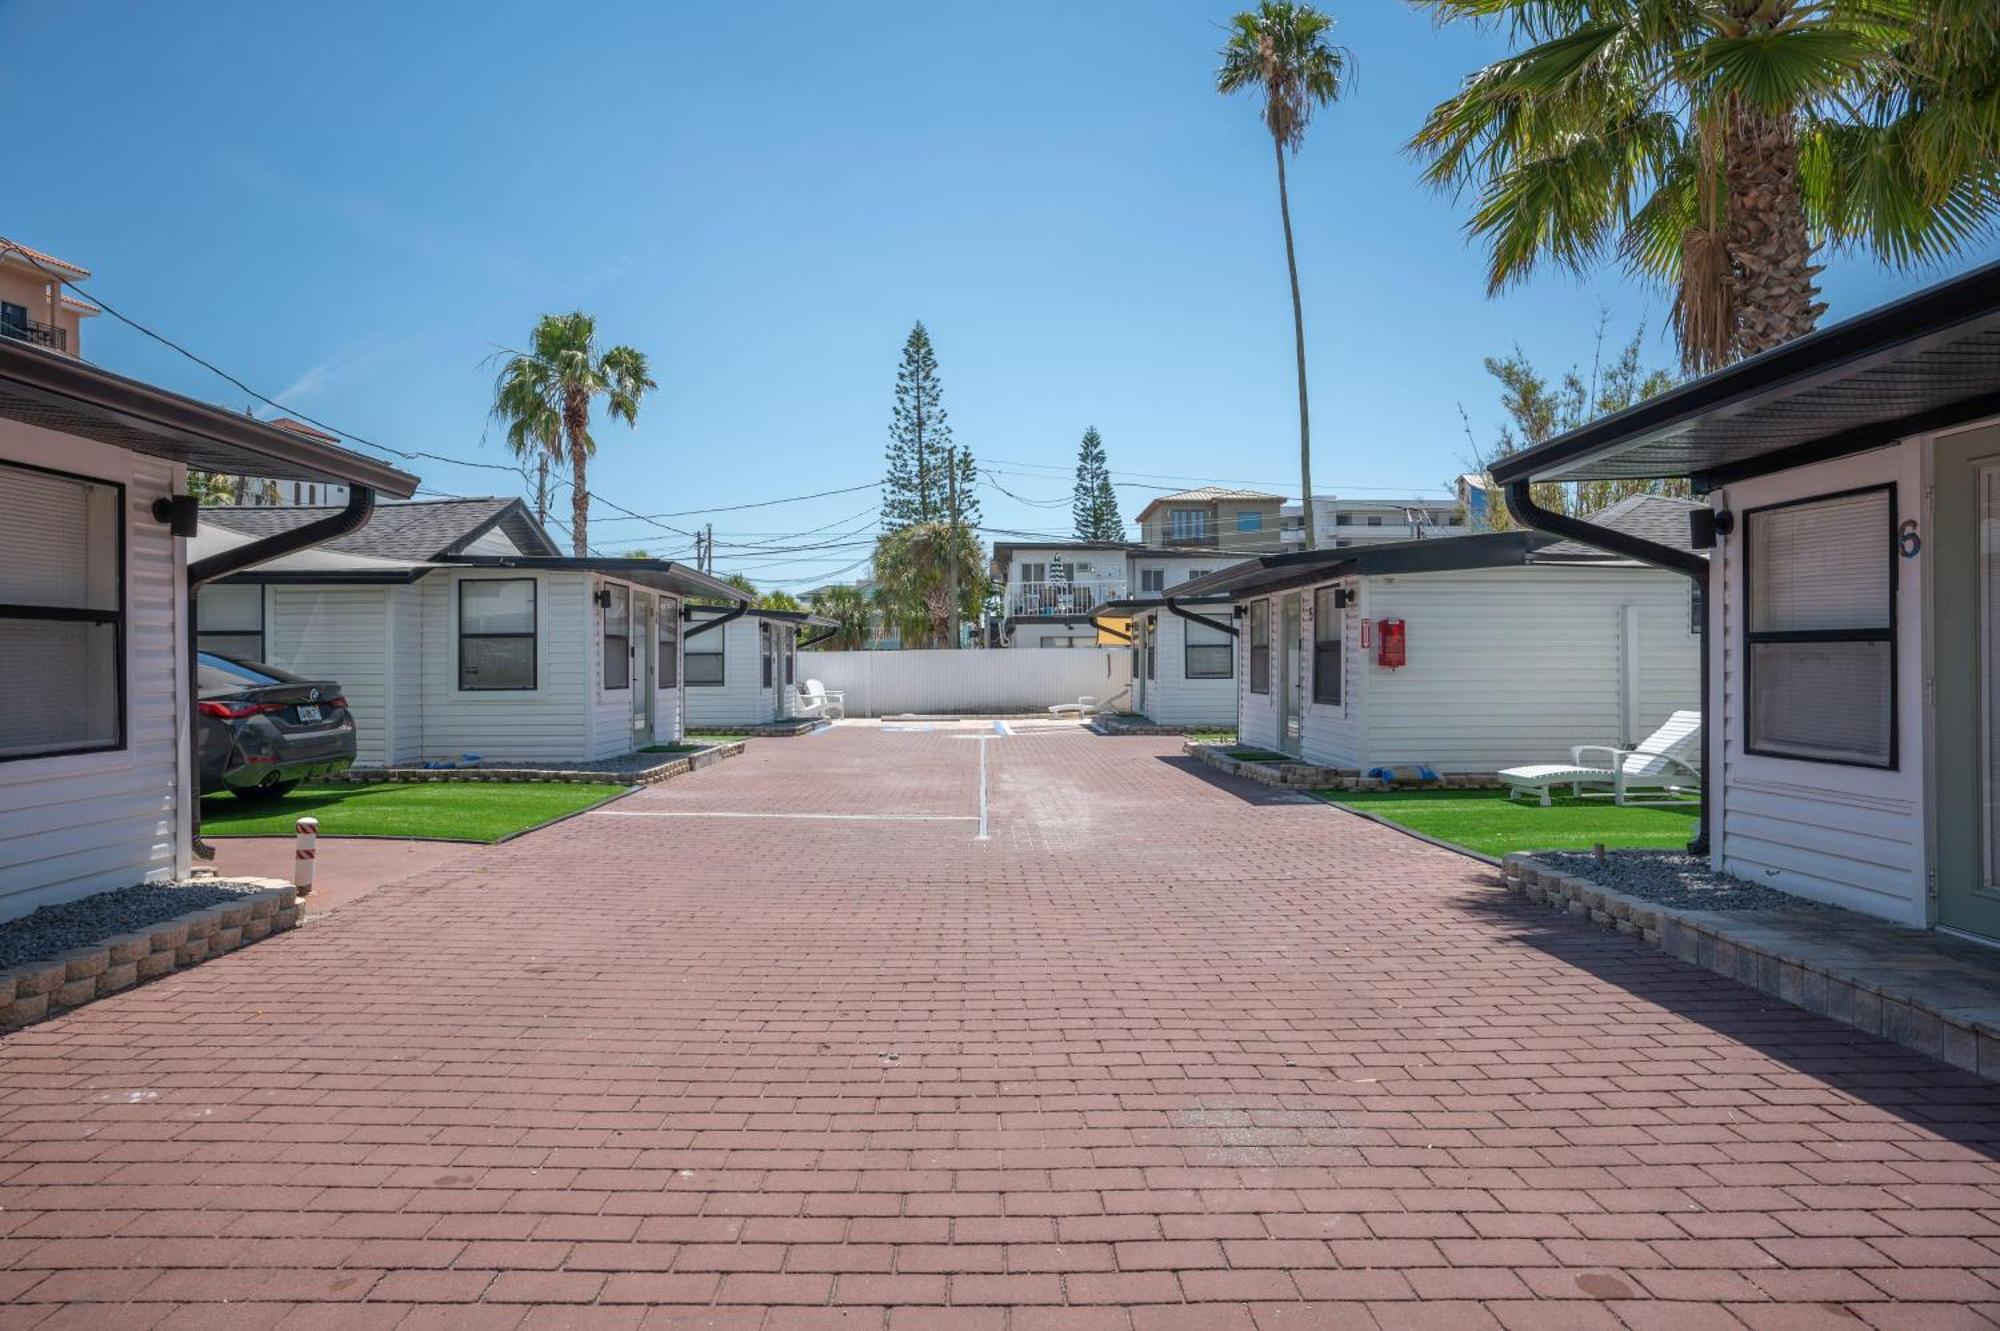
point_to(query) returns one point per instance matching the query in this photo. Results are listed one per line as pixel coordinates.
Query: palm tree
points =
(1720, 145)
(779, 599)
(913, 579)
(1281, 50)
(525, 398)
(564, 370)
(847, 607)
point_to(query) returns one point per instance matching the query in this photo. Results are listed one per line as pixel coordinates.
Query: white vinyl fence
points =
(978, 681)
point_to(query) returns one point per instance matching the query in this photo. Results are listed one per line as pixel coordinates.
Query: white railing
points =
(1062, 598)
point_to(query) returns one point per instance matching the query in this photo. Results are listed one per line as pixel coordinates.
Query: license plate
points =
(309, 712)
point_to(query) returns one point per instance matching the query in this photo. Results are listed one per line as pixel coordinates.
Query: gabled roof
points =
(1269, 573)
(420, 530)
(1208, 494)
(660, 574)
(59, 392)
(1925, 362)
(37, 258)
(1661, 519)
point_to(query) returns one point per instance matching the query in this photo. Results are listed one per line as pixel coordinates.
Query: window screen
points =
(764, 650)
(62, 614)
(230, 617)
(1820, 628)
(1260, 646)
(670, 637)
(704, 668)
(1329, 623)
(496, 634)
(1208, 652)
(618, 639)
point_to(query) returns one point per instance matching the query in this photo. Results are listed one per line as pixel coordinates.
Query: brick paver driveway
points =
(1160, 1052)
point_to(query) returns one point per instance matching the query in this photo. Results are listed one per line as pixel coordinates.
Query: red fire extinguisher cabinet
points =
(1391, 650)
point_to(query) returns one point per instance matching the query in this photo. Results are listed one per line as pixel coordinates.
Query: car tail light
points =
(236, 711)
(336, 701)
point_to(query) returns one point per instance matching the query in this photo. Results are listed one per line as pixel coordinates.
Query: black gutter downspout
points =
(360, 507)
(1521, 503)
(1175, 606)
(687, 613)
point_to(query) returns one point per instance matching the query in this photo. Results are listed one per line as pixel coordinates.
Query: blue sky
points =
(352, 206)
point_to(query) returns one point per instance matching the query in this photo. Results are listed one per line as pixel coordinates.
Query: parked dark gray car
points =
(262, 731)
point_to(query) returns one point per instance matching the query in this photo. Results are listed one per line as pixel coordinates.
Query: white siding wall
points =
(84, 823)
(548, 721)
(741, 699)
(1855, 836)
(1514, 666)
(410, 639)
(1020, 679)
(340, 634)
(1171, 698)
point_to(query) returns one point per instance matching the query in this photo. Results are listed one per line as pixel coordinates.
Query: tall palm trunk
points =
(1774, 293)
(576, 424)
(1299, 345)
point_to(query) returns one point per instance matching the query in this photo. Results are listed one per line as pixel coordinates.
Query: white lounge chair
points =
(1082, 707)
(1660, 763)
(820, 702)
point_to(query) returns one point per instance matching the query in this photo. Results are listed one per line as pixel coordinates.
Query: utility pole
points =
(708, 548)
(951, 537)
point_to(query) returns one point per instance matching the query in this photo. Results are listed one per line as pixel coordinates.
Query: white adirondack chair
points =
(1661, 762)
(818, 701)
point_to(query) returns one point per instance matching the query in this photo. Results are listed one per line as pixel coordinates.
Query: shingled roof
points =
(422, 529)
(1657, 518)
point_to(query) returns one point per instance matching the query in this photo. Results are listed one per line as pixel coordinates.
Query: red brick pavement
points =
(1164, 1052)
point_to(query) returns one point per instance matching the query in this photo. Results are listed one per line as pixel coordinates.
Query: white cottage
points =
(1464, 654)
(1183, 659)
(455, 628)
(1853, 485)
(743, 665)
(95, 700)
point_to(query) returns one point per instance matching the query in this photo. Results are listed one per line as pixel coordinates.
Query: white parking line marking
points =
(807, 817)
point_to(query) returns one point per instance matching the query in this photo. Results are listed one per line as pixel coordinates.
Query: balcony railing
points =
(27, 330)
(1161, 534)
(1062, 598)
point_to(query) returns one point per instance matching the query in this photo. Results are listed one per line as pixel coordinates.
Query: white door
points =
(642, 666)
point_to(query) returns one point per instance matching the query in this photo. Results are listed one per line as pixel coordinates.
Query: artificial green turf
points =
(1213, 736)
(1256, 756)
(437, 811)
(708, 737)
(679, 748)
(1484, 821)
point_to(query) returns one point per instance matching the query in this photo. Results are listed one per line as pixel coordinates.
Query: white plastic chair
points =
(816, 700)
(1659, 762)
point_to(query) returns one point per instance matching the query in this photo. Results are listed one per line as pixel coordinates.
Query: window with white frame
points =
(62, 614)
(1151, 638)
(791, 656)
(1329, 623)
(229, 619)
(1188, 524)
(703, 665)
(1819, 632)
(1260, 646)
(618, 637)
(1152, 580)
(1249, 519)
(1207, 652)
(670, 641)
(496, 634)
(764, 649)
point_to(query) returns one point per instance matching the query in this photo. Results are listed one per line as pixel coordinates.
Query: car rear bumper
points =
(253, 774)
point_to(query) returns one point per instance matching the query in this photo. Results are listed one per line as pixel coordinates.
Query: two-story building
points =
(1345, 522)
(1051, 592)
(34, 308)
(1213, 518)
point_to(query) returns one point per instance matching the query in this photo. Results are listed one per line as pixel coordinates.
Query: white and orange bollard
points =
(304, 855)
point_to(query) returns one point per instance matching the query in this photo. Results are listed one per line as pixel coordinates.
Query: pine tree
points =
(915, 488)
(1094, 504)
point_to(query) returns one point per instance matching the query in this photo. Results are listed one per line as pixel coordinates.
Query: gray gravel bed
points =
(1671, 878)
(87, 920)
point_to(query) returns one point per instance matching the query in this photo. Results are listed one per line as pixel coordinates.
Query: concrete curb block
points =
(1307, 776)
(34, 990)
(1717, 942)
(643, 776)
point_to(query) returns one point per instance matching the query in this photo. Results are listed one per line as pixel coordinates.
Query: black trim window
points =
(1329, 625)
(1819, 629)
(670, 642)
(1260, 646)
(792, 656)
(764, 649)
(229, 620)
(62, 614)
(1207, 652)
(618, 638)
(497, 621)
(1152, 581)
(706, 670)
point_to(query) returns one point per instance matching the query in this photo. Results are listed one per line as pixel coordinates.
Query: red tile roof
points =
(300, 427)
(39, 257)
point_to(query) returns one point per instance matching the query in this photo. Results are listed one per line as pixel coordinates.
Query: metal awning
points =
(803, 618)
(1133, 605)
(61, 393)
(659, 574)
(1925, 362)
(1440, 554)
